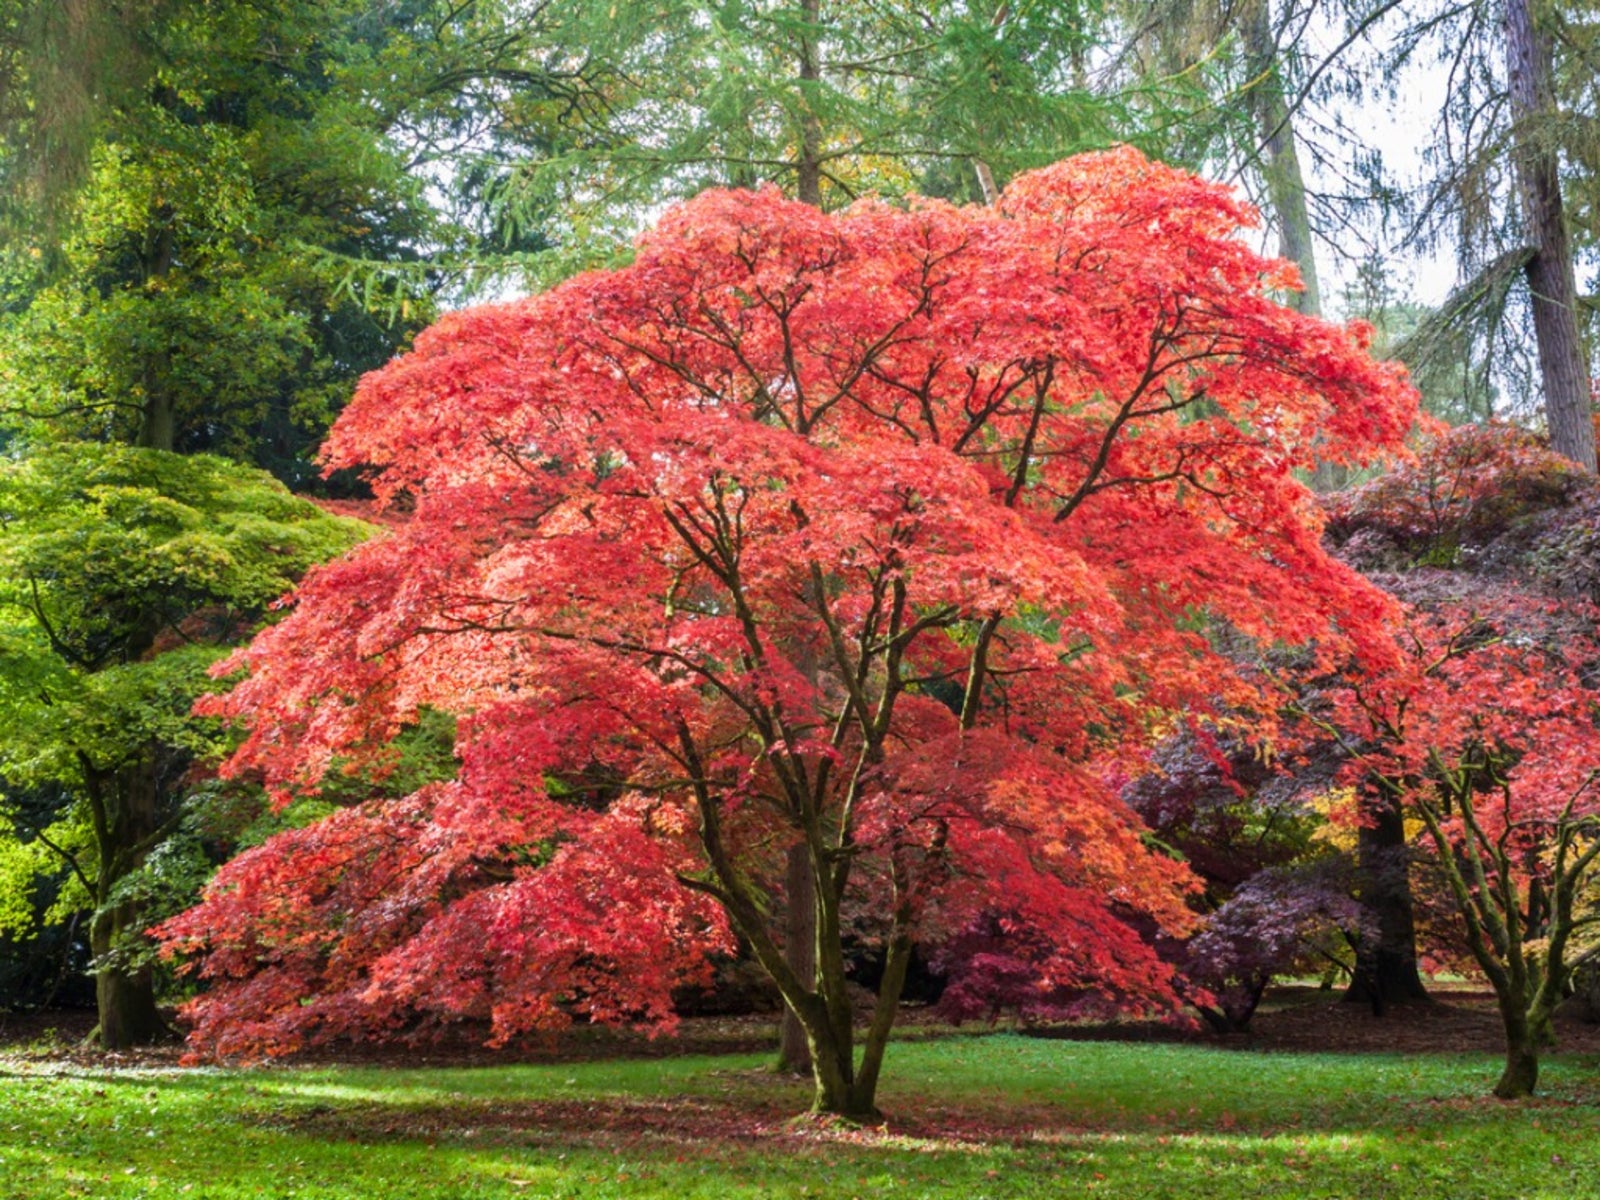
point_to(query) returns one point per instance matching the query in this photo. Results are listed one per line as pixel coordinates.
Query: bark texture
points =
(1283, 176)
(1280, 160)
(800, 950)
(1521, 1074)
(125, 1000)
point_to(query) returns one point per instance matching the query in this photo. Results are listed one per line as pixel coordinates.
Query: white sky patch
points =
(1397, 120)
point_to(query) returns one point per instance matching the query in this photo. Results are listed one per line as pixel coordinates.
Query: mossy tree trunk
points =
(1282, 174)
(1521, 1072)
(125, 810)
(125, 999)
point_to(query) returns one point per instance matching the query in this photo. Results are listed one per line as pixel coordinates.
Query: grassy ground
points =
(999, 1116)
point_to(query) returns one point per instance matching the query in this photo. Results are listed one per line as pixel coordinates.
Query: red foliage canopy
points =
(897, 532)
(1495, 678)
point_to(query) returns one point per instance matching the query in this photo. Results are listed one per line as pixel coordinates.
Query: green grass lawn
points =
(970, 1117)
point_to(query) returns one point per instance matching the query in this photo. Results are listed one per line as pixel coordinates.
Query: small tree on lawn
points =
(885, 533)
(1487, 739)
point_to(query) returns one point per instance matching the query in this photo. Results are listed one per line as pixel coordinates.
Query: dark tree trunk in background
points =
(808, 182)
(157, 421)
(1562, 367)
(1585, 1002)
(1386, 966)
(1280, 161)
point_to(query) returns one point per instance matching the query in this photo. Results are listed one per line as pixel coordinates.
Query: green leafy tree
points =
(124, 574)
(217, 216)
(65, 65)
(827, 99)
(263, 220)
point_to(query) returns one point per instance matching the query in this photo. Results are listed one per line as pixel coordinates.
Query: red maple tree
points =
(1485, 735)
(896, 533)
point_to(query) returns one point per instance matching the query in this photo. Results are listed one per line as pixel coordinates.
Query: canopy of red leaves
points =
(899, 530)
(1494, 683)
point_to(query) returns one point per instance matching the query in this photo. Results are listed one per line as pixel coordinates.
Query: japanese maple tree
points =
(896, 533)
(1487, 738)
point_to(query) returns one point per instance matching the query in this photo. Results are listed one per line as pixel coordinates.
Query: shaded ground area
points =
(709, 1124)
(1460, 1019)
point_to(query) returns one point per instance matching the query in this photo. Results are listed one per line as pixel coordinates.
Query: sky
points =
(1399, 121)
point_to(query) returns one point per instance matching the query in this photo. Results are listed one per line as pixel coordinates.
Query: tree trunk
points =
(1386, 967)
(1280, 161)
(125, 999)
(808, 182)
(157, 429)
(1562, 369)
(831, 1051)
(800, 951)
(842, 1088)
(1284, 179)
(1585, 1002)
(125, 806)
(1522, 1053)
(1521, 1073)
(832, 1093)
(157, 424)
(838, 1092)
